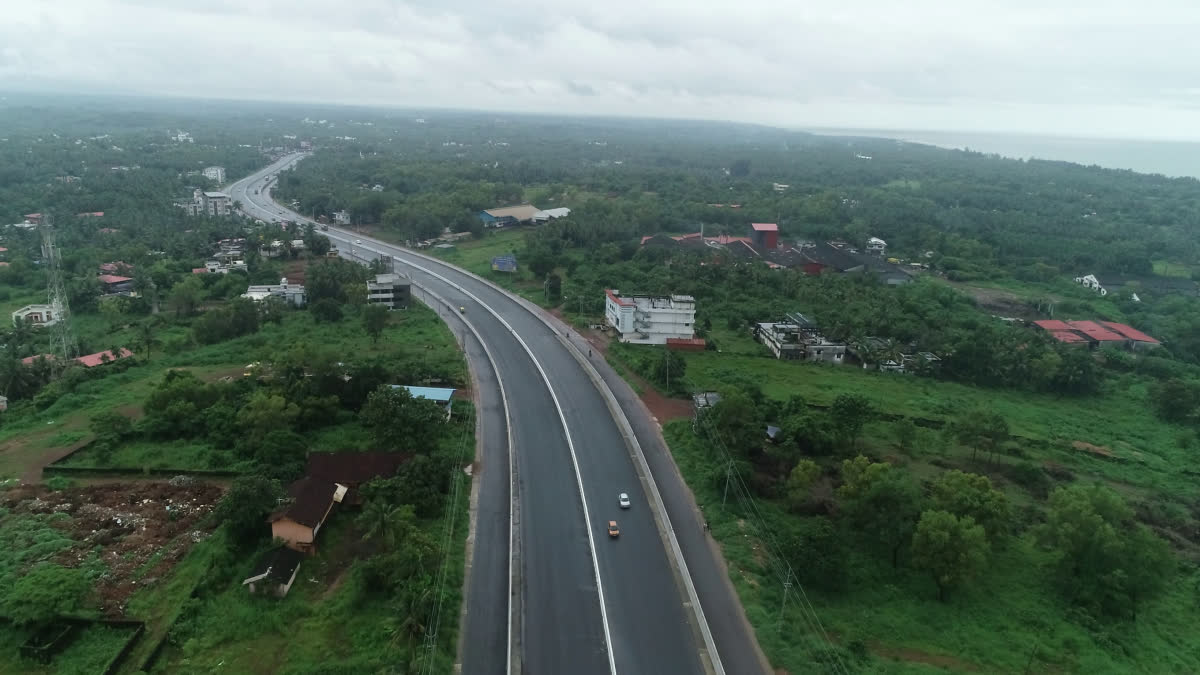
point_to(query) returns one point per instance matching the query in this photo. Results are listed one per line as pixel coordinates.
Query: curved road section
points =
(575, 586)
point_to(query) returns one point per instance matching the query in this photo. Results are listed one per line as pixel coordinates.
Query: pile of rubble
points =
(141, 529)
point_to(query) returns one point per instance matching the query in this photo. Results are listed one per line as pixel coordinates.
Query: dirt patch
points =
(132, 411)
(944, 661)
(1098, 450)
(232, 372)
(335, 584)
(1000, 302)
(141, 529)
(296, 270)
(25, 455)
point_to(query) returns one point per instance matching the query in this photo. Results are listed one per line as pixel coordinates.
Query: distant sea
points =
(1170, 158)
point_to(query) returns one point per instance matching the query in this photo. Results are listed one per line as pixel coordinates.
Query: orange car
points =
(612, 529)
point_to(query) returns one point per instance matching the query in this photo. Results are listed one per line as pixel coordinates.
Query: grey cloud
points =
(579, 89)
(1019, 64)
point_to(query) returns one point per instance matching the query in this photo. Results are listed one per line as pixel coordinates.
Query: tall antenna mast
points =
(62, 341)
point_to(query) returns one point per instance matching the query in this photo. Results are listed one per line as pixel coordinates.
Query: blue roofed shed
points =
(436, 394)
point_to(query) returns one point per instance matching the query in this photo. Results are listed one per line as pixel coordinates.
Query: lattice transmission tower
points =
(62, 338)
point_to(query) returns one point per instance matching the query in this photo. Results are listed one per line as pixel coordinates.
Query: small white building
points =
(38, 315)
(293, 294)
(341, 217)
(215, 174)
(650, 320)
(551, 214)
(390, 290)
(876, 246)
(780, 187)
(1091, 282)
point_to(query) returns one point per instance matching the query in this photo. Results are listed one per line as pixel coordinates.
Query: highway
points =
(583, 603)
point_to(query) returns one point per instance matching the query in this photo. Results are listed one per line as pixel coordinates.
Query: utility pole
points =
(728, 478)
(667, 355)
(787, 586)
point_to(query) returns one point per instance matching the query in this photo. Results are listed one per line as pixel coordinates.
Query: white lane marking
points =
(710, 644)
(512, 470)
(612, 664)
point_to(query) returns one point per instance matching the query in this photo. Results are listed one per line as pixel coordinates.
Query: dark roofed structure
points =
(827, 256)
(352, 469)
(312, 498)
(275, 571)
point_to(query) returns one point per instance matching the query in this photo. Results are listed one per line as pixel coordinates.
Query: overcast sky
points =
(1116, 68)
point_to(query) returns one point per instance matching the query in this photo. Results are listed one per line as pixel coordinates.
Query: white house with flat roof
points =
(650, 320)
(215, 173)
(38, 315)
(292, 293)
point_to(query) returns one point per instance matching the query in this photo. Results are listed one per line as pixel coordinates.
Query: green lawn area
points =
(1165, 268)
(1147, 451)
(19, 297)
(146, 454)
(881, 620)
(475, 255)
(90, 653)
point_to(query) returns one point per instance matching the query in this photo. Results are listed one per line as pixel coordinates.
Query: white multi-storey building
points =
(215, 174)
(207, 203)
(650, 320)
(390, 290)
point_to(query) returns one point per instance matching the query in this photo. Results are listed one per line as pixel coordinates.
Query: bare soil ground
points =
(1000, 302)
(26, 454)
(140, 528)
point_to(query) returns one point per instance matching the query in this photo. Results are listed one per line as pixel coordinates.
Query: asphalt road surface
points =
(562, 627)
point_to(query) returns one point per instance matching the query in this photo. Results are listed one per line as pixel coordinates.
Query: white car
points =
(623, 500)
(358, 242)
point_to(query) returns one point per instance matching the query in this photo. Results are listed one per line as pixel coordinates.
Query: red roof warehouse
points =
(1096, 332)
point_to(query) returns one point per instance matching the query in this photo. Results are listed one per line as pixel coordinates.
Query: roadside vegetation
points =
(138, 489)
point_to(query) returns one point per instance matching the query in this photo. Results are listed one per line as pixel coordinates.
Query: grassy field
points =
(145, 454)
(475, 255)
(881, 620)
(92, 650)
(29, 436)
(1010, 619)
(1146, 453)
(327, 617)
(1165, 268)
